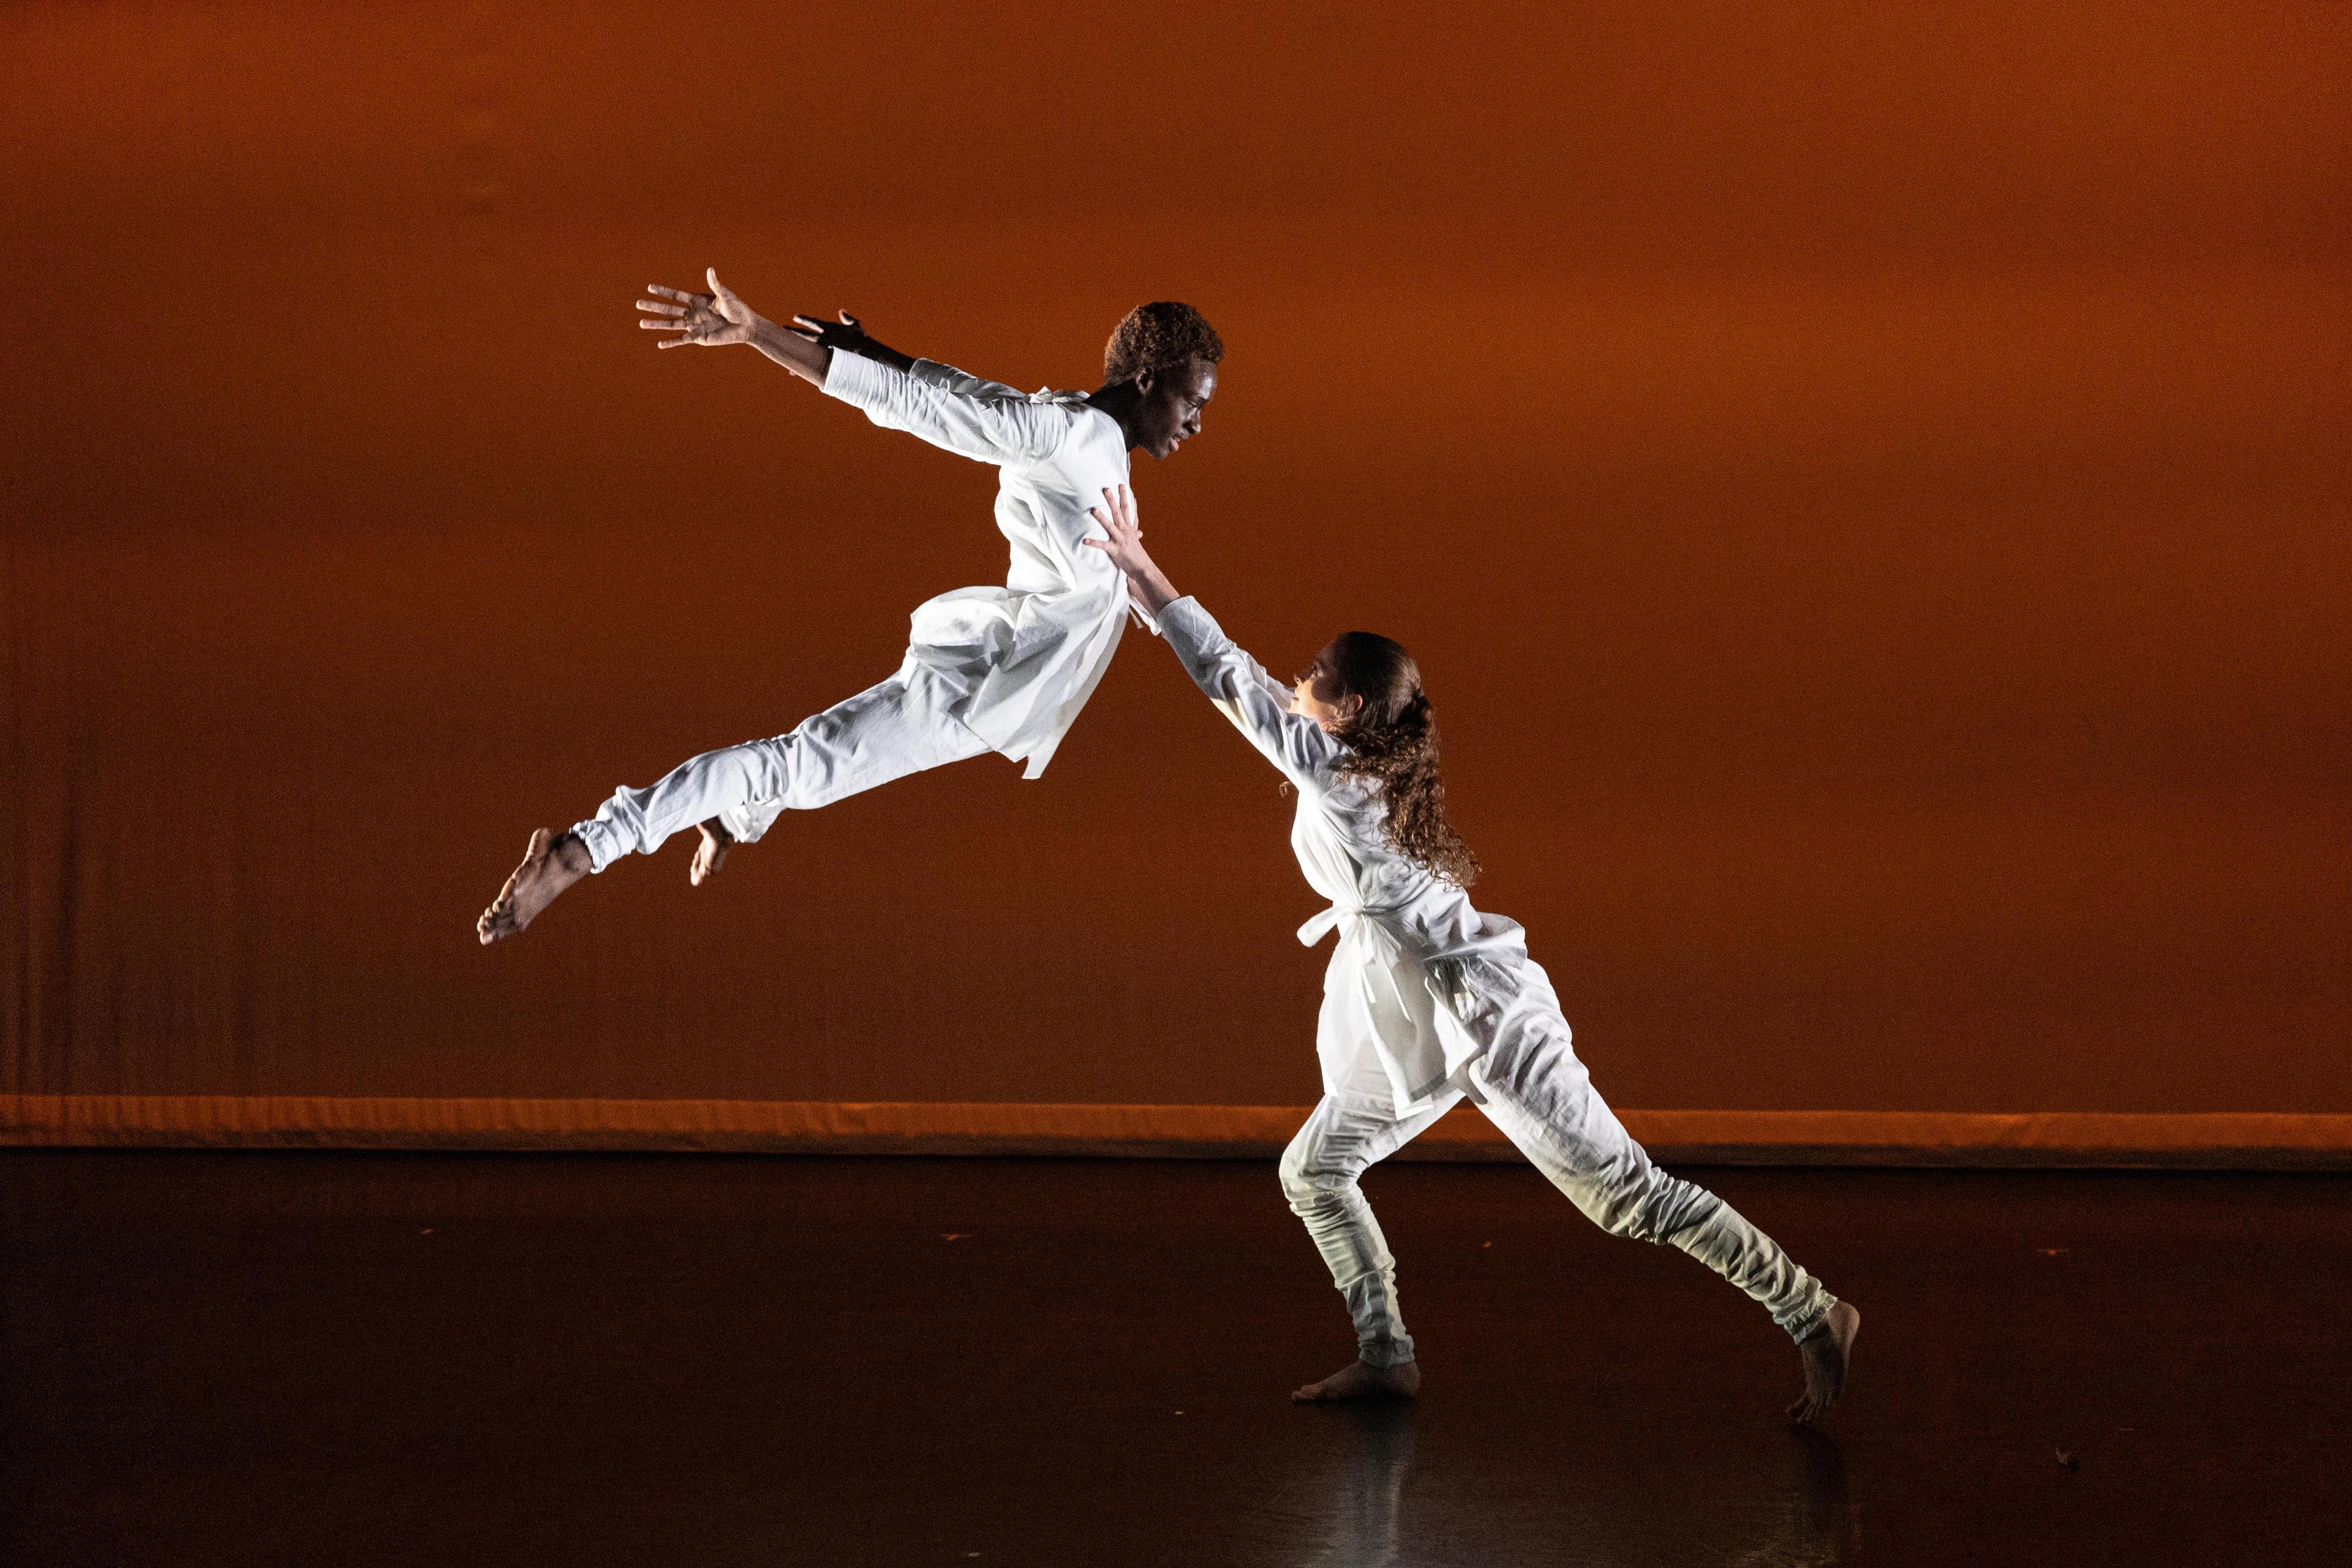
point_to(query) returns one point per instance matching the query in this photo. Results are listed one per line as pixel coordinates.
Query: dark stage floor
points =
(438, 1360)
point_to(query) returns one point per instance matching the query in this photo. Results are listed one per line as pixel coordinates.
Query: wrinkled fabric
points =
(900, 726)
(1413, 959)
(1538, 1093)
(1002, 669)
(1427, 1002)
(1026, 656)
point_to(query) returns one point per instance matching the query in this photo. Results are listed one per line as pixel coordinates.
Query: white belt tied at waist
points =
(1377, 976)
(1356, 919)
(1363, 923)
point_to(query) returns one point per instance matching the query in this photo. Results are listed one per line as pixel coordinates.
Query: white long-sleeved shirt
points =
(1027, 655)
(1427, 980)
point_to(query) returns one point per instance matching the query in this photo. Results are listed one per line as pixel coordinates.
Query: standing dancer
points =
(1002, 669)
(1427, 1001)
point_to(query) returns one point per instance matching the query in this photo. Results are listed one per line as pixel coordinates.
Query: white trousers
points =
(1535, 1089)
(904, 725)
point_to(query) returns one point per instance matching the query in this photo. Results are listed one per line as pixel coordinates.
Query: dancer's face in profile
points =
(1317, 695)
(1168, 411)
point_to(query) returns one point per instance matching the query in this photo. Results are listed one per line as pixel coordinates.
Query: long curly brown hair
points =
(1393, 741)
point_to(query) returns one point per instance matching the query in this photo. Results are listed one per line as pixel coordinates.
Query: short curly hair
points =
(1156, 337)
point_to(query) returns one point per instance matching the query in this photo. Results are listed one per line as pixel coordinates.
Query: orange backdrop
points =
(1868, 484)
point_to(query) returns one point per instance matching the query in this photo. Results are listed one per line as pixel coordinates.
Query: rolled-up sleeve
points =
(960, 413)
(1239, 687)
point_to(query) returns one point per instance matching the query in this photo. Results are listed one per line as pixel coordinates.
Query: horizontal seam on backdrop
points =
(2220, 1141)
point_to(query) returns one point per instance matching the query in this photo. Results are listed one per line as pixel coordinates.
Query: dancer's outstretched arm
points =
(974, 418)
(712, 320)
(1259, 706)
(849, 335)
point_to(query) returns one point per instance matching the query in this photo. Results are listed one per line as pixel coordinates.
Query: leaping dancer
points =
(1427, 1001)
(987, 670)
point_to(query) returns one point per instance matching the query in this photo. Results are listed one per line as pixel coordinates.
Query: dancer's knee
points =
(1291, 1170)
(1615, 1209)
(751, 774)
(1309, 1184)
(1654, 1207)
(747, 766)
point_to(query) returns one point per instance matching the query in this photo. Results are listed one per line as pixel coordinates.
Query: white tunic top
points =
(1420, 976)
(1027, 655)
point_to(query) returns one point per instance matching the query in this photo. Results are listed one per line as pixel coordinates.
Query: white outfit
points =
(1003, 669)
(1427, 1001)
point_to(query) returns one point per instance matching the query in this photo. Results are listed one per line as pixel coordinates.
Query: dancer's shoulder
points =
(1088, 443)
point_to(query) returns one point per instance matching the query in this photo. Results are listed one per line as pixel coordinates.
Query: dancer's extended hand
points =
(712, 320)
(1125, 547)
(1120, 521)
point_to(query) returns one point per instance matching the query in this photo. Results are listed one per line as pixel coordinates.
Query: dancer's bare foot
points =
(552, 862)
(711, 853)
(1827, 1352)
(1357, 1380)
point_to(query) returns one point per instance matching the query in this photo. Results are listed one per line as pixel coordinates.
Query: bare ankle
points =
(570, 852)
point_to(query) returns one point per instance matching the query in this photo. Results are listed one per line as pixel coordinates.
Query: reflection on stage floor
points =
(368, 1358)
